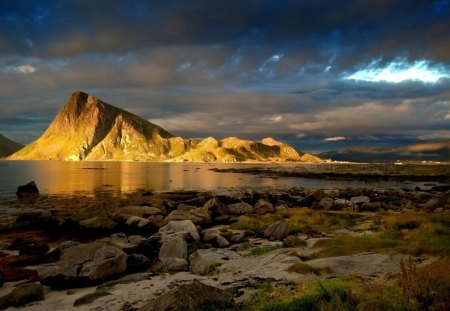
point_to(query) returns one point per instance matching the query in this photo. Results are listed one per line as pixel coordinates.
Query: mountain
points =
(87, 128)
(438, 151)
(7, 146)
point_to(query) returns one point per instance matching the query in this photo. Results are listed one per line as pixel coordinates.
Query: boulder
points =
(277, 231)
(213, 236)
(240, 208)
(139, 223)
(123, 242)
(215, 207)
(345, 205)
(191, 296)
(173, 264)
(22, 295)
(360, 199)
(174, 246)
(326, 203)
(198, 216)
(263, 207)
(137, 263)
(235, 236)
(83, 264)
(205, 262)
(98, 223)
(28, 193)
(181, 226)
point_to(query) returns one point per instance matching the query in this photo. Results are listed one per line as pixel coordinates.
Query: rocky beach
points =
(237, 249)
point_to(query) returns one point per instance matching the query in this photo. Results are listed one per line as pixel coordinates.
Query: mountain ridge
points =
(7, 146)
(438, 151)
(87, 128)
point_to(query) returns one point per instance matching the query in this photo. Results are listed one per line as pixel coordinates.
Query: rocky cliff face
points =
(88, 129)
(7, 146)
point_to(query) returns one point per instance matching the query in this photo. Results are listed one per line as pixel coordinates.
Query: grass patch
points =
(303, 268)
(311, 296)
(262, 250)
(408, 233)
(348, 245)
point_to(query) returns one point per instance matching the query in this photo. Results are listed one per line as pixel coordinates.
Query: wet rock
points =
(140, 211)
(98, 223)
(98, 209)
(28, 193)
(277, 231)
(181, 226)
(137, 263)
(240, 208)
(215, 207)
(293, 241)
(90, 298)
(191, 296)
(22, 295)
(83, 264)
(263, 207)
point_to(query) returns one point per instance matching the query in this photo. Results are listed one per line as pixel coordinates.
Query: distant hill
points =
(421, 151)
(87, 128)
(8, 147)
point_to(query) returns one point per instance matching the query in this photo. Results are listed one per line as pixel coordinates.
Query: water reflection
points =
(54, 177)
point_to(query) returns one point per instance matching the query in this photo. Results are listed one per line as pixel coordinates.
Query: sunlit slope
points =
(8, 146)
(88, 129)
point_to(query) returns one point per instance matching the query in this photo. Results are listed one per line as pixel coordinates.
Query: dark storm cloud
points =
(228, 67)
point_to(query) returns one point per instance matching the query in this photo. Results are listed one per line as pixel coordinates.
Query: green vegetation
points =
(408, 233)
(262, 250)
(299, 220)
(417, 288)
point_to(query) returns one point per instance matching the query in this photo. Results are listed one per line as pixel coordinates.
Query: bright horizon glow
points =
(399, 71)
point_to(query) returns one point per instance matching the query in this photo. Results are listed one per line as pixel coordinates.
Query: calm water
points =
(57, 177)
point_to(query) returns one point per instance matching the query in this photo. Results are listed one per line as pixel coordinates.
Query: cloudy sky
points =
(319, 74)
